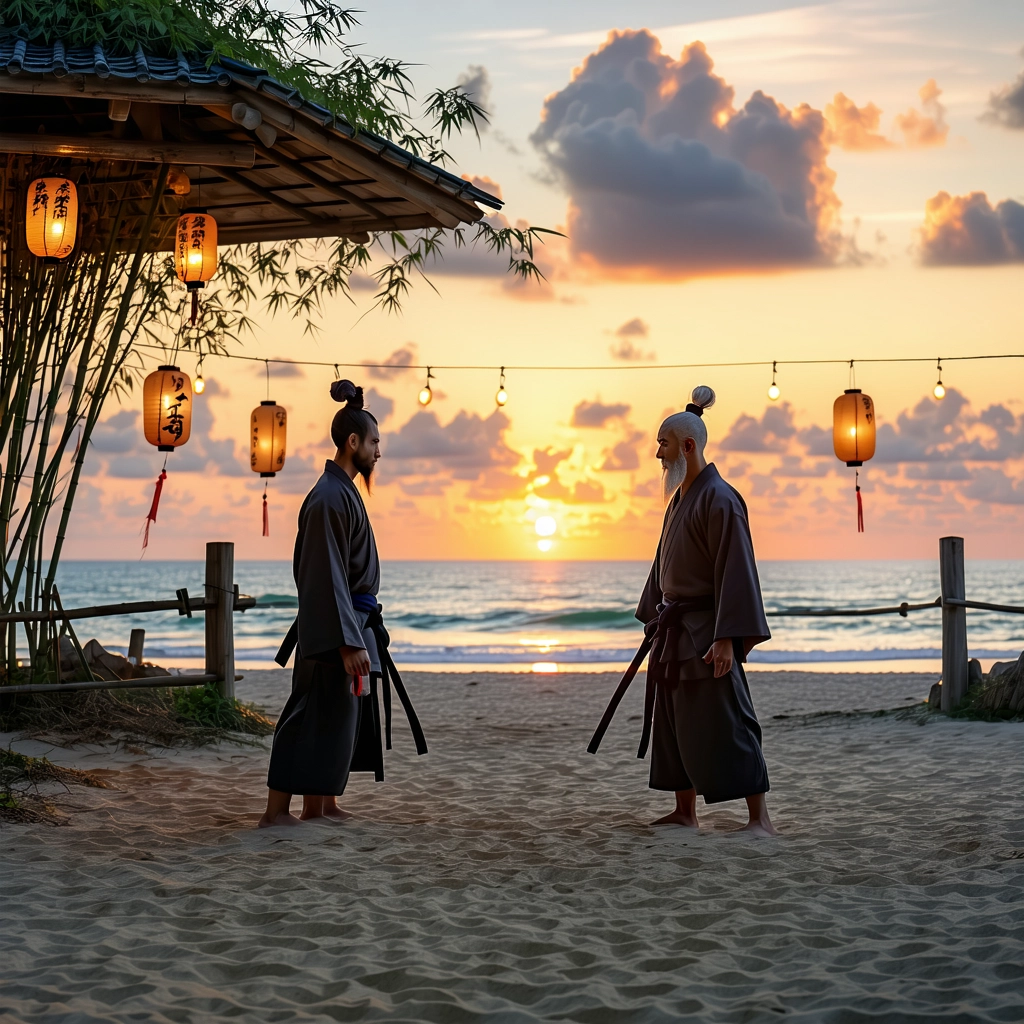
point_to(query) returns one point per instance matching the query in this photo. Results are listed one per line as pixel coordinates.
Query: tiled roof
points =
(18, 56)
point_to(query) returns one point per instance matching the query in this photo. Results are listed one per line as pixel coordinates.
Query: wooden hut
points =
(265, 162)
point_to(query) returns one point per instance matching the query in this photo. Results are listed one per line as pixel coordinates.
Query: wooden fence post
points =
(220, 629)
(954, 622)
(136, 644)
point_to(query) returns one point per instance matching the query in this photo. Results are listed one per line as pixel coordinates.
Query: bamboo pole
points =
(181, 153)
(954, 621)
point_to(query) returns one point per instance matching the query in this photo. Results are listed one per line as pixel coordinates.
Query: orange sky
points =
(764, 269)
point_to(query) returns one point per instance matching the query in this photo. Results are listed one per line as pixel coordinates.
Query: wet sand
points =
(509, 876)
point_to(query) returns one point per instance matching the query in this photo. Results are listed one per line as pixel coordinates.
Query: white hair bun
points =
(703, 396)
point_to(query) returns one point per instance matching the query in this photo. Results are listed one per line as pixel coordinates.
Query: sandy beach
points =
(510, 876)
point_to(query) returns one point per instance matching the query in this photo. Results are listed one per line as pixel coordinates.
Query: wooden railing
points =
(219, 604)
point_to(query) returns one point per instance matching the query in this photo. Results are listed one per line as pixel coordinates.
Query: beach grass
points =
(161, 717)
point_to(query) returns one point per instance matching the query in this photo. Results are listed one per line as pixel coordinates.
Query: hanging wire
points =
(266, 363)
(597, 367)
(853, 377)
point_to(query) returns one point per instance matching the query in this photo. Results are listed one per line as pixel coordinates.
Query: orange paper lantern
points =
(195, 249)
(51, 218)
(167, 408)
(267, 437)
(853, 427)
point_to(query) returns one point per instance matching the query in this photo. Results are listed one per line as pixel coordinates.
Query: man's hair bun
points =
(703, 397)
(346, 391)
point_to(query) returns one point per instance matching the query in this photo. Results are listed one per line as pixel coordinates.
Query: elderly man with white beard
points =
(703, 614)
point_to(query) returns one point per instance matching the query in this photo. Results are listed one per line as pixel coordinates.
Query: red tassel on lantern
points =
(860, 505)
(266, 514)
(151, 514)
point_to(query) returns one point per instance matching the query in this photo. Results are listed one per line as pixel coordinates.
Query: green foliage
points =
(204, 706)
(286, 41)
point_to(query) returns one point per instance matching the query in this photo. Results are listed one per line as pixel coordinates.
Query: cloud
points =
(635, 328)
(547, 460)
(626, 349)
(280, 371)
(853, 127)
(771, 433)
(130, 457)
(117, 435)
(395, 364)
(362, 283)
(967, 230)
(380, 405)
(623, 456)
(923, 130)
(475, 82)
(628, 352)
(1006, 105)
(664, 173)
(464, 448)
(995, 487)
(597, 414)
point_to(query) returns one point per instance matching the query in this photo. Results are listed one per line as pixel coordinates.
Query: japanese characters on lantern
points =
(268, 435)
(195, 249)
(51, 218)
(167, 408)
(853, 427)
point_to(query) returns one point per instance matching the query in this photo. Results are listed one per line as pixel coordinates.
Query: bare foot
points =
(278, 819)
(337, 813)
(765, 829)
(678, 818)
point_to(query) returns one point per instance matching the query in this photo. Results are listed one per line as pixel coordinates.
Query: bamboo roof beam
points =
(129, 150)
(448, 211)
(268, 196)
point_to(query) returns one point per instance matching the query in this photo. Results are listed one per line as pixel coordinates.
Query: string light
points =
(939, 391)
(199, 385)
(773, 389)
(502, 396)
(426, 396)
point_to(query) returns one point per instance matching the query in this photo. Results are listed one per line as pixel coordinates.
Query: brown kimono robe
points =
(705, 733)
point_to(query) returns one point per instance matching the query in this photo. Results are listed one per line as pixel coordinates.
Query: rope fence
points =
(901, 609)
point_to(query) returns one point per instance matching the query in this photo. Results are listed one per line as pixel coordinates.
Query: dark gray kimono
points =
(325, 731)
(705, 731)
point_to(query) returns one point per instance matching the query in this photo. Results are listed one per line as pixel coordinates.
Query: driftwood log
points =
(1004, 688)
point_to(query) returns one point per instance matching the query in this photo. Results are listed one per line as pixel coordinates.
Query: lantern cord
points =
(617, 368)
(195, 306)
(266, 363)
(266, 514)
(853, 375)
(151, 514)
(860, 502)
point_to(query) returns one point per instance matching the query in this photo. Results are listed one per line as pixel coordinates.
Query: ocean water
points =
(571, 615)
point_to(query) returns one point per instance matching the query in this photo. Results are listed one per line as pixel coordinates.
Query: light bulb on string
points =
(502, 395)
(199, 384)
(939, 390)
(426, 395)
(773, 388)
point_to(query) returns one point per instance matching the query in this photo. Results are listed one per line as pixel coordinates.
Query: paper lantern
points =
(51, 218)
(167, 408)
(195, 249)
(267, 438)
(853, 427)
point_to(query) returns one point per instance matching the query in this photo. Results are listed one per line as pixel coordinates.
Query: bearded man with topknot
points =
(703, 614)
(331, 725)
